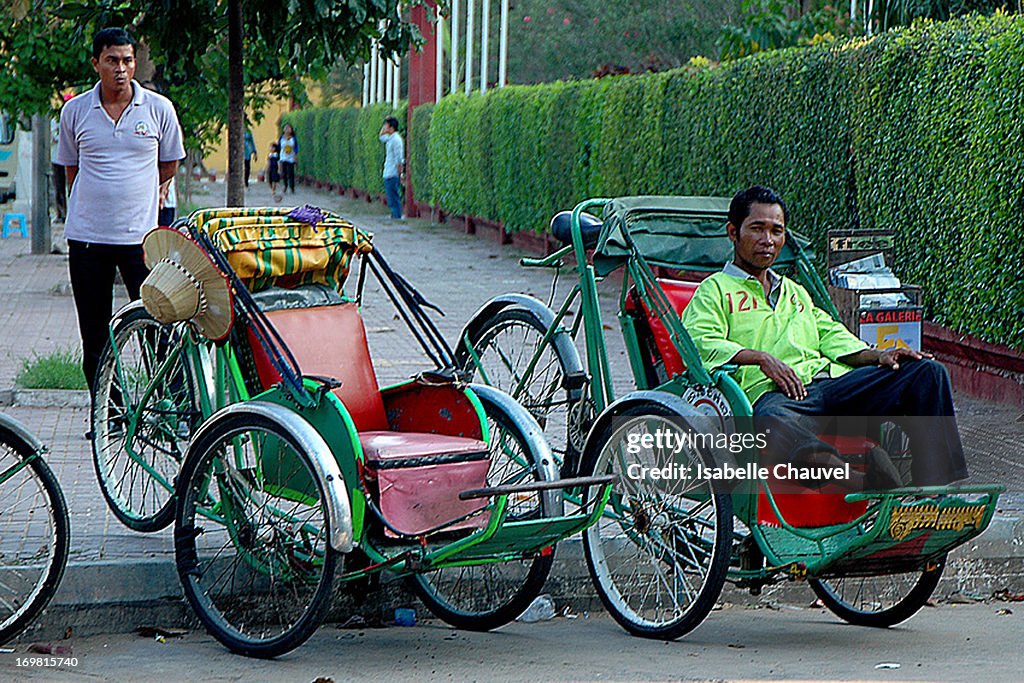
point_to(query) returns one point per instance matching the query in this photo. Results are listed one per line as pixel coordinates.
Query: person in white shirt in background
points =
(394, 165)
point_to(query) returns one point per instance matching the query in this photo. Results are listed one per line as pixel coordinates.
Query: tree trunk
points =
(236, 107)
(41, 168)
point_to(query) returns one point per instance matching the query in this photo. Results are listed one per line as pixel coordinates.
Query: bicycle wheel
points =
(138, 449)
(251, 537)
(34, 533)
(878, 601)
(659, 555)
(484, 597)
(510, 356)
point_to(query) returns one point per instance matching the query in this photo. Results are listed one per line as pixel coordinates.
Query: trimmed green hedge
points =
(916, 130)
(342, 146)
(419, 162)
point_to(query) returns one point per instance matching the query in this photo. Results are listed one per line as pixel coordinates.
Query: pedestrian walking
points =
(273, 175)
(59, 179)
(394, 165)
(118, 143)
(250, 154)
(289, 150)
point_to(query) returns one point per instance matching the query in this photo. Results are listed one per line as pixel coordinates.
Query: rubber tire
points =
(532, 583)
(196, 465)
(49, 581)
(525, 317)
(721, 554)
(902, 610)
(145, 523)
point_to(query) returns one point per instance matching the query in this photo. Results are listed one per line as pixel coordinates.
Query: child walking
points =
(273, 174)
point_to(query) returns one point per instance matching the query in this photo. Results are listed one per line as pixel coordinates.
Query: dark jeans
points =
(288, 176)
(166, 216)
(393, 191)
(92, 267)
(917, 396)
(248, 167)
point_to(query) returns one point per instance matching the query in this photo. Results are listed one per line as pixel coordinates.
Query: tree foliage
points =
(45, 46)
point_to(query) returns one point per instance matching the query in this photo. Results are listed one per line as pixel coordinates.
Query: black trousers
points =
(288, 176)
(92, 267)
(918, 397)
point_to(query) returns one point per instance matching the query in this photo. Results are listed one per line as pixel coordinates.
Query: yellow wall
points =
(263, 133)
(266, 131)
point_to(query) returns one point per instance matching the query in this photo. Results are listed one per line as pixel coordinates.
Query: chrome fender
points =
(339, 512)
(22, 432)
(540, 451)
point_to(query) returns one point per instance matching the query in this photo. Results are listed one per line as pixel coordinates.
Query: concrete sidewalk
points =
(113, 571)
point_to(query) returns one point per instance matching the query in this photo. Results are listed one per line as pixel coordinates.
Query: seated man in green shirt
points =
(797, 364)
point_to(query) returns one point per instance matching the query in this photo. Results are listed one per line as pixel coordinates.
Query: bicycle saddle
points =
(590, 225)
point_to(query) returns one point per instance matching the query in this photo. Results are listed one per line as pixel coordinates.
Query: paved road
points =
(968, 643)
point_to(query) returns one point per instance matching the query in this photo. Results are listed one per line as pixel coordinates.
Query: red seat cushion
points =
(330, 341)
(804, 507)
(383, 445)
(679, 294)
(419, 477)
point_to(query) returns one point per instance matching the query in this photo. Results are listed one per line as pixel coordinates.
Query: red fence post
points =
(422, 84)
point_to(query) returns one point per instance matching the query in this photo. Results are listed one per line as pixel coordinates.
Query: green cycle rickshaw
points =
(665, 547)
(255, 424)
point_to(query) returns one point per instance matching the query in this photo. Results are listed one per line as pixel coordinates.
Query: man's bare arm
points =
(70, 172)
(167, 170)
(889, 359)
(775, 370)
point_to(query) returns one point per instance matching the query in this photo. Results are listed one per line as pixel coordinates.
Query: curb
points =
(119, 596)
(45, 398)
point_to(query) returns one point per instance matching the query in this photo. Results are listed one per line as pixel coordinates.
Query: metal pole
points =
(439, 66)
(454, 83)
(381, 77)
(366, 84)
(469, 45)
(374, 65)
(389, 81)
(485, 30)
(396, 90)
(41, 241)
(503, 46)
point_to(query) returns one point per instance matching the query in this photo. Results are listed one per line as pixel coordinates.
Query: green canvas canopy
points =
(686, 233)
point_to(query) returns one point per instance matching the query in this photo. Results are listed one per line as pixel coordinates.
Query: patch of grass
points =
(61, 369)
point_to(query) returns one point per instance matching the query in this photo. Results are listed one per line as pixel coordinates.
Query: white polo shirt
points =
(115, 198)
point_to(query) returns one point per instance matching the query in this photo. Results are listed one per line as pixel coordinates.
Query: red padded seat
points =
(384, 446)
(804, 507)
(418, 475)
(679, 294)
(330, 341)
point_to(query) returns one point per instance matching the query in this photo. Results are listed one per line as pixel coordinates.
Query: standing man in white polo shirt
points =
(119, 143)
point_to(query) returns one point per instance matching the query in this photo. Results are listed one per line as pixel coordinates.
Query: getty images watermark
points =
(668, 442)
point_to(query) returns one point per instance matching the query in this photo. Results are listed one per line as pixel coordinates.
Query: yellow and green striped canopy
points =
(267, 248)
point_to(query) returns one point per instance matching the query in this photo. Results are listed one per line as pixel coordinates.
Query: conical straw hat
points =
(184, 284)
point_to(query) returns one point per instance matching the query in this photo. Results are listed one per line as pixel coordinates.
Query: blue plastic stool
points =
(9, 218)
